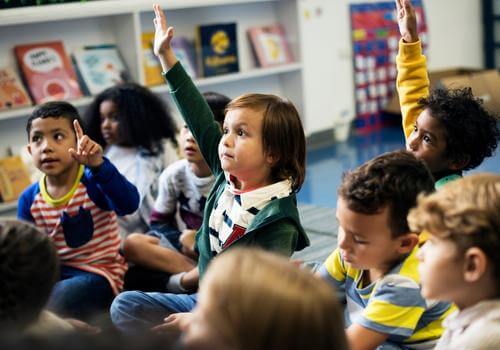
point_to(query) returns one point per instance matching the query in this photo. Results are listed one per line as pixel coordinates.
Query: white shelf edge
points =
(250, 74)
(59, 12)
(8, 206)
(25, 111)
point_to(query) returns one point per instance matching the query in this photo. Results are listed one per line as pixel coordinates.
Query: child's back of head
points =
(143, 118)
(217, 103)
(470, 131)
(254, 299)
(28, 271)
(393, 180)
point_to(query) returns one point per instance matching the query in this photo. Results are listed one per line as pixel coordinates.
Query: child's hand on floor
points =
(175, 323)
(407, 21)
(187, 240)
(88, 152)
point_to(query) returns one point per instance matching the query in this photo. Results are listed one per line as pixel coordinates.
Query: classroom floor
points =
(326, 164)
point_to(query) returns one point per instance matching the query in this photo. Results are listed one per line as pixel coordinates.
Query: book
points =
(14, 178)
(218, 49)
(12, 92)
(151, 65)
(270, 45)
(47, 71)
(99, 67)
(185, 52)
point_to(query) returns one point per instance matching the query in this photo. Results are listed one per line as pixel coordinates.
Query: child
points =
(258, 163)
(75, 204)
(251, 299)
(460, 261)
(131, 124)
(28, 271)
(375, 266)
(183, 188)
(444, 127)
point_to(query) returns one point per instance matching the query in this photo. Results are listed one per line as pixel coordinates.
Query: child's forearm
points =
(167, 59)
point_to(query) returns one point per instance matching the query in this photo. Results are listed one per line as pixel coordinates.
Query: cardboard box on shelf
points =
(485, 84)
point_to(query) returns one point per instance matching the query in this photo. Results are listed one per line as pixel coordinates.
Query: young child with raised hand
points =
(460, 261)
(258, 162)
(375, 265)
(76, 203)
(449, 129)
(183, 188)
(251, 299)
(138, 134)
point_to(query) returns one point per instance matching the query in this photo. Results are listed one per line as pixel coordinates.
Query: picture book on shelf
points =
(12, 92)
(99, 67)
(14, 178)
(185, 52)
(47, 71)
(151, 65)
(270, 45)
(218, 49)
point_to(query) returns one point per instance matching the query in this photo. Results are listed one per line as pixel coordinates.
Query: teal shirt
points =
(277, 226)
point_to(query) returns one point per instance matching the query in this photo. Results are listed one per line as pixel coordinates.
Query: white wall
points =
(455, 40)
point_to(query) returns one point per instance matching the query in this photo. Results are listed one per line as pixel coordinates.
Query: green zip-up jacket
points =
(277, 226)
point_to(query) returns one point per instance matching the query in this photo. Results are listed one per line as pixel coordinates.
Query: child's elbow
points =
(131, 205)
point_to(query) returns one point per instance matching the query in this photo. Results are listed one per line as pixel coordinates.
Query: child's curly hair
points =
(471, 131)
(29, 269)
(144, 118)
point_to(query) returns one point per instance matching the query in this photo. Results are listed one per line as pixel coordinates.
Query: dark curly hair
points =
(144, 119)
(393, 179)
(28, 270)
(217, 103)
(55, 109)
(472, 133)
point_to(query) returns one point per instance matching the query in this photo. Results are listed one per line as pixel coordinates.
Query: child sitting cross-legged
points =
(76, 203)
(448, 129)
(375, 265)
(460, 262)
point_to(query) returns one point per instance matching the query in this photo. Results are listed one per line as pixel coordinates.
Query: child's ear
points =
(271, 159)
(475, 264)
(407, 242)
(459, 163)
(28, 147)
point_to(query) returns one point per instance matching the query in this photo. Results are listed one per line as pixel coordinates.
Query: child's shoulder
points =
(179, 166)
(30, 192)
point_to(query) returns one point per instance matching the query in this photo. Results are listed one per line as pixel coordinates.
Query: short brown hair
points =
(259, 300)
(393, 179)
(466, 211)
(282, 135)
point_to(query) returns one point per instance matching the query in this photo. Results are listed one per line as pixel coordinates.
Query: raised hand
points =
(88, 152)
(407, 21)
(163, 37)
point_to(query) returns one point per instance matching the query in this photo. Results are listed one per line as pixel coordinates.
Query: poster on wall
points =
(375, 40)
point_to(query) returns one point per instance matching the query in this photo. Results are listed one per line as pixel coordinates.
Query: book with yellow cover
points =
(14, 178)
(150, 64)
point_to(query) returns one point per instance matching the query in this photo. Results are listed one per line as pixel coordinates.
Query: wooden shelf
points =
(8, 206)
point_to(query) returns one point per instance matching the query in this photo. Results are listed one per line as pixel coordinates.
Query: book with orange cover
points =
(14, 178)
(12, 92)
(48, 72)
(270, 45)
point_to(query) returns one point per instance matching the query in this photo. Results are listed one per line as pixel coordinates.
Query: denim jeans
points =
(139, 311)
(80, 294)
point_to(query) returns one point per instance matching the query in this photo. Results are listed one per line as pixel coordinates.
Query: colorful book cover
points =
(150, 64)
(218, 49)
(99, 67)
(184, 50)
(14, 178)
(12, 92)
(47, 71)
(270, 45)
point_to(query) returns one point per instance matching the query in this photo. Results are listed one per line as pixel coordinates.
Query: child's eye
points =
(59, 136)
(225, 130)
(35, 138)
(427, 139)
(415, 128)
(358, 240)
(241, 132)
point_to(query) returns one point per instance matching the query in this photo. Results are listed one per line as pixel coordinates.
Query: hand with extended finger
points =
(163, 37)
(407, 21)
(88, 152)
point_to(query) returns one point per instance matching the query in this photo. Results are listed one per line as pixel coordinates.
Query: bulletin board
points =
(375, 40)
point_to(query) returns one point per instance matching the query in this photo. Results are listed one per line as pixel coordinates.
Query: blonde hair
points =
(261, 301)
(282, 135)
(466, 211)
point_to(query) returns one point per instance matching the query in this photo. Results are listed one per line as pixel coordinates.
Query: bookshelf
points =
(306, 81)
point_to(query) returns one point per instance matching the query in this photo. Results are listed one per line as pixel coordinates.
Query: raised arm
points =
(412, 79)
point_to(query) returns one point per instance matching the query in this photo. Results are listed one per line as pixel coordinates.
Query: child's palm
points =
(407, 20)
(88, 152)
(163, 33)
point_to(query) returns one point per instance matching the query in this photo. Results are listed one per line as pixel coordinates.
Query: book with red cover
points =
(47, 71)
(12, 92)
(270, 45)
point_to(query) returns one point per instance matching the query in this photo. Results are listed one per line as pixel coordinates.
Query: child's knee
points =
(133, 245)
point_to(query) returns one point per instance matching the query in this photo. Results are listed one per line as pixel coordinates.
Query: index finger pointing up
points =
(78, 129)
